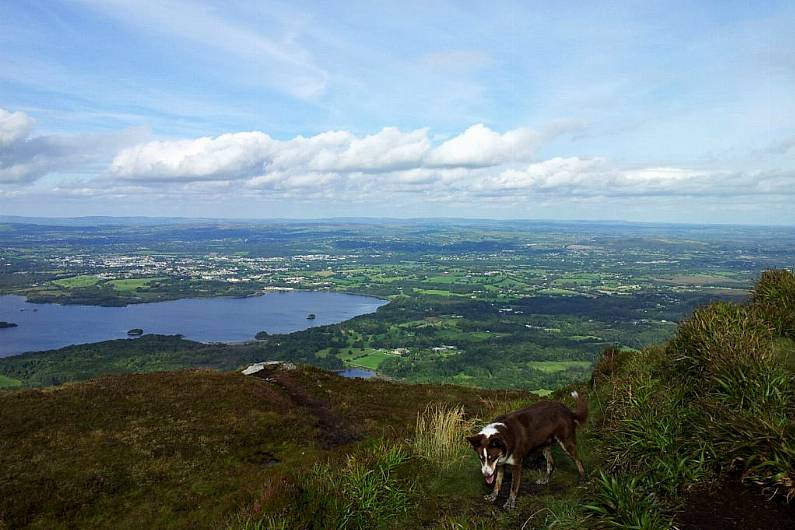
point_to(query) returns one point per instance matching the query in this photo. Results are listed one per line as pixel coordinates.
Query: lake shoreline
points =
(221, 319)
(68, 301)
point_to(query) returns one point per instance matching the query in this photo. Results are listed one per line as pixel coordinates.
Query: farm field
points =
(495, 304)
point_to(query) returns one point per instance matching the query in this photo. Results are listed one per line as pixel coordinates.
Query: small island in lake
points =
(135, 332)
(311, 316)
(4, 324)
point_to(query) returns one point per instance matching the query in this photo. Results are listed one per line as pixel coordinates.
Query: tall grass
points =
(558, 514)
(249, 522)
(720, 336)
(719, 397)
(439, 434)
(621, 502)
(362, 492)
(774, 296)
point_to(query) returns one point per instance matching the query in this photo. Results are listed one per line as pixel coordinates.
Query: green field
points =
(84, 280)
(551, 367)
(131, 284)
(558, 291)
(501, 294)
(436, 292)
(9, 382)
(370, 358)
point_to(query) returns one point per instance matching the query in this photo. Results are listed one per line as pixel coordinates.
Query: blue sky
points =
(645, 111)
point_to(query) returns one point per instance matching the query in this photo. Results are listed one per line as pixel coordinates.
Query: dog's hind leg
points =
(491, 497)
(516, 479)
(570, 448)
(550, 465)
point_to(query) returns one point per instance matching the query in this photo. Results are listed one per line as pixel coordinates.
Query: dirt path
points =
(333, 429)
(733, 506)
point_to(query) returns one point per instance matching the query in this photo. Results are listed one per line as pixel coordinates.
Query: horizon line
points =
(364, 219)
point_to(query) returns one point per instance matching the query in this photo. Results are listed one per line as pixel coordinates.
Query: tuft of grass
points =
(720, 336)
(462, 523)
(608, 364)
(362, 494)
(439, 434)
(249, 522)
(774, 296)
(559, 514)
(622, 502)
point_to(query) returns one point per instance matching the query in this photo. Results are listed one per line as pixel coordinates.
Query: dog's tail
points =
(581, 414)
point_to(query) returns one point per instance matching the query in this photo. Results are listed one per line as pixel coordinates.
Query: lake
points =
(49, 326)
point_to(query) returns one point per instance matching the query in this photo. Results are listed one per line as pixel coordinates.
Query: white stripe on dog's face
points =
(485, 467)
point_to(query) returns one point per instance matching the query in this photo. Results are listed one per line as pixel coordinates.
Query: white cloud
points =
(24, 159)
(478, 162)
(227, 156)
(14, 126)
(479, 146)
(598, 177)
(255, 154)
(342, 151)
(388, 149)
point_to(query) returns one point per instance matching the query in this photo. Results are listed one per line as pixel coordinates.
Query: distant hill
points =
(97, 220)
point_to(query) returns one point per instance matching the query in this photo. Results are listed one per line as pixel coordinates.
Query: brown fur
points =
(525, 431)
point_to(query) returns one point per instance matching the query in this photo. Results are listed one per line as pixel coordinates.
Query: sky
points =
(638, 111)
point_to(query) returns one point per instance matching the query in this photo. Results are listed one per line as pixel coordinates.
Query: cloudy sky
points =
(641, 111)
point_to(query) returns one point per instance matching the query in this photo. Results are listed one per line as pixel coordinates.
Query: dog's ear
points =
(475, 440)
(497, 442)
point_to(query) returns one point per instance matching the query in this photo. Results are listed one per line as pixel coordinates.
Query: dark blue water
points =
(49, 326)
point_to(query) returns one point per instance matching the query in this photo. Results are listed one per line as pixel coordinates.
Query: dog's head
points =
(490, 449)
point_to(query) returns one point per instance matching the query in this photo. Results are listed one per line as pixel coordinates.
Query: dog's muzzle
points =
(490, 478)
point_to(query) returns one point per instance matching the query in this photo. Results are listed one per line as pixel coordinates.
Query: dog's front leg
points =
(491, 497)
(516, 479)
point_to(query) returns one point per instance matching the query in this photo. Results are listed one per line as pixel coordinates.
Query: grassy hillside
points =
(680, 425)
(192, 449)
(696, 434)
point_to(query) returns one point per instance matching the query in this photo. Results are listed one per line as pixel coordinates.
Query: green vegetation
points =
(9, 382)
(558, 366)
(77, 281)
(151, 353)
(715, 403)
(506, 295)
(674, 430)
(689, 414)
(437, 435)
(201, 449)
(132, 284)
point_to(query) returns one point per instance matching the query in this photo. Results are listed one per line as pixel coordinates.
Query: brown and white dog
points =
(512, 437)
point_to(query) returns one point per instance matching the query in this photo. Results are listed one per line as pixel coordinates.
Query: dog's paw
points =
(542, 481)
(491, 497)
(510, 504)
